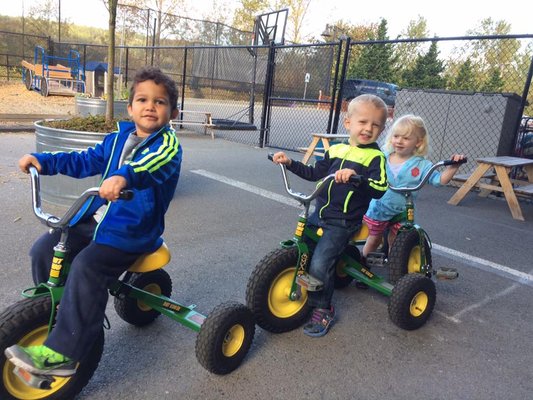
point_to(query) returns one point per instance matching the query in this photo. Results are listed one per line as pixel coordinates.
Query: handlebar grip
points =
(357, 179)
(270, 156)
(451, 162)
(126, 194)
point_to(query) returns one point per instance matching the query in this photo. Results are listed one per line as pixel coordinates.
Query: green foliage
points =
(494, 83)
(427, 72)
(375, 61)
(91, 123)
(245, 14)
(465, 79)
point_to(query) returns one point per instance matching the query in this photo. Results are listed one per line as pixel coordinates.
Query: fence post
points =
(333, 91)
(126, 68)
(269, 82)
(183, 81)
(338, 105)
(523, 102)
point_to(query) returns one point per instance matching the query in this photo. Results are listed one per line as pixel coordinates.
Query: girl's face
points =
(405, 145)
(365, 124)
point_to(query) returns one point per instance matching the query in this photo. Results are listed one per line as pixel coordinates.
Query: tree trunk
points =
(109, 113)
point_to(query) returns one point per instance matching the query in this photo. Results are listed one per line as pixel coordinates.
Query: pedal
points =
(445, 273)
(309, 282)
(43, 382)
(375, 260)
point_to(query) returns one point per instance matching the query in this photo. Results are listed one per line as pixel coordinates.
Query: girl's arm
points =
(447, 175)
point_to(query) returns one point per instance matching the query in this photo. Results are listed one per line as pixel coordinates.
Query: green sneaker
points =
(40, 360)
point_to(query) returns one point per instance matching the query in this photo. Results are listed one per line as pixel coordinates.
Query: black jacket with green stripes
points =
(346, 200)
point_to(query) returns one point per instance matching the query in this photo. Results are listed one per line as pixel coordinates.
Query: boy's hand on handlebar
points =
(343, 175)
(111, 187)
(281, 158)
(27, 161)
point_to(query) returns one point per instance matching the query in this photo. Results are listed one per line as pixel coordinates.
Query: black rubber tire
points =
(404, 256)
(412, 301)
(26, 323)
(28, 78)
(44, 87)
(134, 311)
(225, 338)
(267, 292)
(341, 279)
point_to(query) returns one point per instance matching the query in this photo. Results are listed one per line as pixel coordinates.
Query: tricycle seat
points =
(152, 261)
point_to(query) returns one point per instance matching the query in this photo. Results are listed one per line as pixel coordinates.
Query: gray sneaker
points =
(321, 321)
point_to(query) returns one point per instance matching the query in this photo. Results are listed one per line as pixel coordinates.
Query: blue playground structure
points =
(47, 76)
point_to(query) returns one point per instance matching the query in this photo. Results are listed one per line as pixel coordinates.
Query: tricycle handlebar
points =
(53, 221)
(425, 178)
(306, 199)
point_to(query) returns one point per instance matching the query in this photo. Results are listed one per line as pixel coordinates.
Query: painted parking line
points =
(486, 265)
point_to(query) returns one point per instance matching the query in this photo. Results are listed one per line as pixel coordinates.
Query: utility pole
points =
(59, 23)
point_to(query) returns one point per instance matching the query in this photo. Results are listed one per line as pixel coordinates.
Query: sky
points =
(445, 18)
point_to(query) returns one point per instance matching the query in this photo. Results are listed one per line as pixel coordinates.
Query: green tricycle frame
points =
(277, 288)
(140, 296)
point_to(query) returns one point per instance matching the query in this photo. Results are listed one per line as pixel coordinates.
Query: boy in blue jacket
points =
(340, 207)
(107, 235)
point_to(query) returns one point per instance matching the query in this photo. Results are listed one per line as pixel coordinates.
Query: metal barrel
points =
(61, 189)
(92, 106)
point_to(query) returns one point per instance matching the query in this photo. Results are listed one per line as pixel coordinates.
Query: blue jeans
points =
(335, 237)
(94, 268)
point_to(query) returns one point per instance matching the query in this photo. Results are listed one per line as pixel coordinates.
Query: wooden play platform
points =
(47, 76)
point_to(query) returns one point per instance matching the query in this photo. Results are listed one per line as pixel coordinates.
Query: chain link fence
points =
(472, 91)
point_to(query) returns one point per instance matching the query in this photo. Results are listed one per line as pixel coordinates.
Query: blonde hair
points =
(368, 98)
(409, 125)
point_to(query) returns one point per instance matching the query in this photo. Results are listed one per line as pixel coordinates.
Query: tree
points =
(494, 83)
(465, 79)
(427, 72)
(112, 8)
(297, 11)
(406, 53)
(45, 17)
(244, 17)
(375, 61)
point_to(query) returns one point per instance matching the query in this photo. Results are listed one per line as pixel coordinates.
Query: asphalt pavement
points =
(229, 212)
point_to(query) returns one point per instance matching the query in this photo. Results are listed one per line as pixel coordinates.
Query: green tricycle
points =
(140, 296)
(277, 288)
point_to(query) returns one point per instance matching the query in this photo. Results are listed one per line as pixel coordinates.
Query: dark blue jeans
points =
(335, 237)
(82, 310)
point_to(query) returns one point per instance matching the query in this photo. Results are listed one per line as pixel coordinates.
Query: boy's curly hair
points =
(160, 78)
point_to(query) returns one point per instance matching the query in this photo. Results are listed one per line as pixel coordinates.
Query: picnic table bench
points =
(195, 118)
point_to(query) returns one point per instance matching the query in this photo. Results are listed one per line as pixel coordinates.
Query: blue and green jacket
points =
(152, 173)
(345, 200)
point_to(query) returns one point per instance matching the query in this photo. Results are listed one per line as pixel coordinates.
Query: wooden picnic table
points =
(499, 181)
(317, 137)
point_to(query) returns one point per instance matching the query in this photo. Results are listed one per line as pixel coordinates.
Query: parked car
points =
(356, 87)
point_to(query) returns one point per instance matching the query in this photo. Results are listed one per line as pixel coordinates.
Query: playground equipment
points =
(47, 76)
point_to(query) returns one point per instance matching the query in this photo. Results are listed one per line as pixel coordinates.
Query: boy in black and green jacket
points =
(341, 206)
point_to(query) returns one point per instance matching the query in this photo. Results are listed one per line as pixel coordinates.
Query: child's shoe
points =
(40, 360)
(321, 320)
